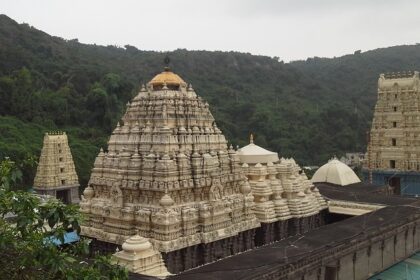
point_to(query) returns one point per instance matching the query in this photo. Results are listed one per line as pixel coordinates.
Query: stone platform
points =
(204, 253)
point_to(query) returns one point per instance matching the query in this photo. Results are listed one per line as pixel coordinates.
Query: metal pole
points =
(369, 149)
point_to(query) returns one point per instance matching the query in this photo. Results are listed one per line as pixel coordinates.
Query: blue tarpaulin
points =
(69, 237)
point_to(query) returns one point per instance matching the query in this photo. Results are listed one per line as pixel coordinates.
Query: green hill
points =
(309, 109)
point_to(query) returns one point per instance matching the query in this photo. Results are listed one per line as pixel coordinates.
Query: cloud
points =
(288, 29)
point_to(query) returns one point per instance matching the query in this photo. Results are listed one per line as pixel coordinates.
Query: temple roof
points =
(167, 77)
(255, 154)
(335, 172)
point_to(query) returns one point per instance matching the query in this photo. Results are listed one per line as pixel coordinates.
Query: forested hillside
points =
(309, 109)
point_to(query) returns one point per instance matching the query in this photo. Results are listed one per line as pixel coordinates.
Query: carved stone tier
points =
(281, 189)
(286, 202)
(139, 256)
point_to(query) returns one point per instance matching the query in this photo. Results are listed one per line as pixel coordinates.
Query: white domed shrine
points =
(252, 153)
(335, 172)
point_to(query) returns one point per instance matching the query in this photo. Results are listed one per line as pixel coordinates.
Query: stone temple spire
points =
(56, 175)
(169, 176)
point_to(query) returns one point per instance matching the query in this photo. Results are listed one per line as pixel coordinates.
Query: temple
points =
(169, 176)
(171, 199)
(56, 175)
(393, 153)
(286, 202)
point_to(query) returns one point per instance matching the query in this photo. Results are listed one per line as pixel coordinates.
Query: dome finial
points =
(251, 138)
(167, 60)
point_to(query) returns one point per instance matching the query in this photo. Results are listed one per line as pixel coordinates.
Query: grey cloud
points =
(288, 29)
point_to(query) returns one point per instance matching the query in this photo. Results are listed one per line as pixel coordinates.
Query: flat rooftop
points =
(290, 251)
(280, 255)
(362, 193)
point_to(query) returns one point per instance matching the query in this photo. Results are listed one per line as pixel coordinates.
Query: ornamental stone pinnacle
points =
(56, 174)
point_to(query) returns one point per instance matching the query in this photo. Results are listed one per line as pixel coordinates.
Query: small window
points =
(59, 151)
(395, 96)
(392, 163)
(330, 273)
(62, 170)
(394, 124)
(395, 108)
(63, 182)
(394, 142)
(60, 159)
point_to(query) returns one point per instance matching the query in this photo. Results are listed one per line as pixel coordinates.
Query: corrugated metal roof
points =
(408, 269)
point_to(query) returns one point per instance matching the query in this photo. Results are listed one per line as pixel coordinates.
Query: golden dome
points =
(167, 77)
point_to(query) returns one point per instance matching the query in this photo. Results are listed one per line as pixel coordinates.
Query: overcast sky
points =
(288, 29)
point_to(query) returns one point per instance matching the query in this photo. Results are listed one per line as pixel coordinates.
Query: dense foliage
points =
(27, 228)
(309, 109)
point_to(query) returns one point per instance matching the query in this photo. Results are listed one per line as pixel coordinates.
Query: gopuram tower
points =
(56, 175)
(169, 176)
(393, 153)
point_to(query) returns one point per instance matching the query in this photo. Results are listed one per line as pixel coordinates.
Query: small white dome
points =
(255, 154)
(335, 172)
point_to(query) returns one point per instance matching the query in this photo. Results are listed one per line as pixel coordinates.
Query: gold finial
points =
(251, 139)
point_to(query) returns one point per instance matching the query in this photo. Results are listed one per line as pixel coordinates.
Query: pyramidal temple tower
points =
(168, 175)
(56, 175)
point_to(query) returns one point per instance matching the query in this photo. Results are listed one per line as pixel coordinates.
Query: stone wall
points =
(357, 259)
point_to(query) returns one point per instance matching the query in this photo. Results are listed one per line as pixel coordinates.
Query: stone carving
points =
(281, 189)
(139, 256)
(281, 192)
(56, 175)
(116, 196)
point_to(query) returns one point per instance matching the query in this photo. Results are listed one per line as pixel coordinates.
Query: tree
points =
(28, 227)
